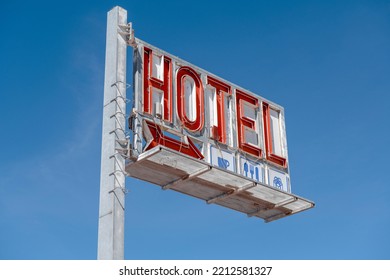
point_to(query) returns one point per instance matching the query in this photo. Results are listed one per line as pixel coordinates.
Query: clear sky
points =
(326, 62)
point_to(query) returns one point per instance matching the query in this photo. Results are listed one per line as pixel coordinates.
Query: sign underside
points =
(173, 170)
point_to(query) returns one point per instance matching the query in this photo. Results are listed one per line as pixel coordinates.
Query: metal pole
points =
(112, 178)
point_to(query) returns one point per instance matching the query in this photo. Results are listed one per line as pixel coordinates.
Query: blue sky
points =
(326, 62)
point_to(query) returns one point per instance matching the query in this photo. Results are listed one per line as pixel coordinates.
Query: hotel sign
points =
(187, 109)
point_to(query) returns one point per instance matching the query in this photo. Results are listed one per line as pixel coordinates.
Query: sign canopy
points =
(201, 135)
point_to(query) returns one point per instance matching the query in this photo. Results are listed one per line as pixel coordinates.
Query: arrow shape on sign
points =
(155, 137)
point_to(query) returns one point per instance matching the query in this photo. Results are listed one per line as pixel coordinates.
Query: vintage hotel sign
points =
(194, 112)
(189, 131)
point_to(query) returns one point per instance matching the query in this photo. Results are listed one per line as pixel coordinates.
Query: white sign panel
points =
(278, 180)
(222, 159)
(252, 170)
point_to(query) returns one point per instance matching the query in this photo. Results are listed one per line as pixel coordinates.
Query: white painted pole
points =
(112, 178)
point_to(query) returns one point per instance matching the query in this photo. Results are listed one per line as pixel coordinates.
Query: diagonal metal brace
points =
(231, 193)
(187, 177)
(280, 204)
